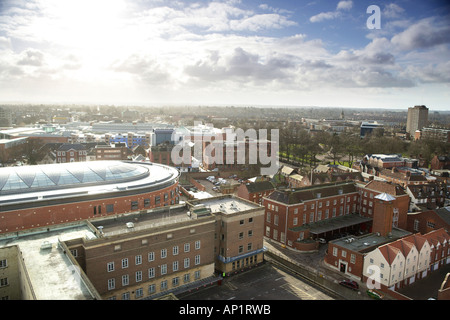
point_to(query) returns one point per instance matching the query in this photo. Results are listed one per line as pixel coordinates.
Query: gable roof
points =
(385, 187)
(259, 186)
(389, 252)
(299, 195)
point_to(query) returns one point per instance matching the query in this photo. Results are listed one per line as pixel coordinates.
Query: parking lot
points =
(264, 282)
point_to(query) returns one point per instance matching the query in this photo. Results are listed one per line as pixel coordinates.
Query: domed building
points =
(43, 195)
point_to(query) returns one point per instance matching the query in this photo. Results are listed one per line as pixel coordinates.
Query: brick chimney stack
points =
(383, 214)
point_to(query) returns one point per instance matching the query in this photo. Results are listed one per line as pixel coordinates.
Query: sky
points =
(226, 52)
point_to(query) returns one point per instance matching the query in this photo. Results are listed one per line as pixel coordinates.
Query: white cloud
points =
(344, 5)
(341, 6)
(324, 16)
(424, 34)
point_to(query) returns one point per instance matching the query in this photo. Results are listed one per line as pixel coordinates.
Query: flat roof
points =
(141, 220)
(51, 273)
(369, 241)
(227, 204)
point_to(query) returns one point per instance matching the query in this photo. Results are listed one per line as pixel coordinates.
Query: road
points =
(265, 282)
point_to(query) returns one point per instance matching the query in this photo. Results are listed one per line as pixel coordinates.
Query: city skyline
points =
(286, 53)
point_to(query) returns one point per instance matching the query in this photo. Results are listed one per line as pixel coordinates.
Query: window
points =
(125, 263)
(175, 281)
(241, 249)
(134, 205)
(138, 259)
(151, 288)
(146, 203)
(197, 259)
(151, 273)
(125, 280)
(241, 222)
(175, 266)
(175, 250)
(163, 268)
(335, 251)
(111, 284)
(241, 235)
(139, 293)
(186, 262)
(109, 208)
(197, 244)
(163, 253)
(416, 225)
(151, 256)
(187, 247)
(138, 276)
(110, 266)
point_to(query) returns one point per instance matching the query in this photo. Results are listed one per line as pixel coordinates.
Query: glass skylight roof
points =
(34, 178)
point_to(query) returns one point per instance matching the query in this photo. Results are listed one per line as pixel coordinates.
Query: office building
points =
(417, 119)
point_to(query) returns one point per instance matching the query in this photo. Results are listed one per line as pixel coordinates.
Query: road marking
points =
(297, 292)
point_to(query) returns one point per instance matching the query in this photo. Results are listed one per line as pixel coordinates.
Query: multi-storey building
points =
(139, 255)
(255, 191)
(117, 151)
(417, 119)
(71, 153)
(373, 188)
(295, 216)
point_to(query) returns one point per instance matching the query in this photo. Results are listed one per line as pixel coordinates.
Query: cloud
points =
(344, 5)
(324, 16)
(241, 66)
(145, 68)
(31, 57)
(392, 10)
(424, 34)
(341, 6)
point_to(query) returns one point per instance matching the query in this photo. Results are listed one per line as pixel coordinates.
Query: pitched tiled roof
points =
(385, 187)
(259, 186)
(300, 195)
(389, 252)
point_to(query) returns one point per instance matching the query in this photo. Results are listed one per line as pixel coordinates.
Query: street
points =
(265, 282)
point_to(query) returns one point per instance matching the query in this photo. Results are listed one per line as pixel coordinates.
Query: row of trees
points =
(299, 145)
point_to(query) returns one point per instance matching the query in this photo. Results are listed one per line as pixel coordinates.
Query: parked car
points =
(375, 294)
(349, 284)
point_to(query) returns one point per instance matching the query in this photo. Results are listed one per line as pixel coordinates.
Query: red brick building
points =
(297, 218)
(71, 153)
(44, 195)
(255, 191)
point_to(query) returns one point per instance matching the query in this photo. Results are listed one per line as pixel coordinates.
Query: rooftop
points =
(369, 241)
(227, 204)
(43, 182)
(141, 220)
(51, 273)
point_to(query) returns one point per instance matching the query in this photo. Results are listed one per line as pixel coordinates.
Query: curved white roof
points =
(31, 178)
(87, 177)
